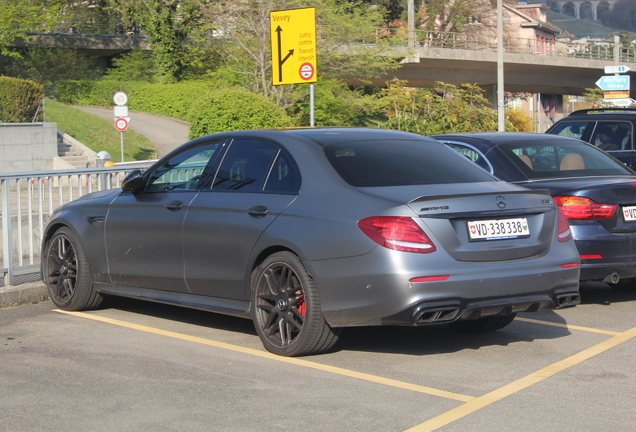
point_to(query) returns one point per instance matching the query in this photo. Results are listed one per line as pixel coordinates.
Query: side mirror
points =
(133, 182)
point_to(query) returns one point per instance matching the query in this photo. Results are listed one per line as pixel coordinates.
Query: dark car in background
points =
(306, 231)
(596, 193)
(610, 129)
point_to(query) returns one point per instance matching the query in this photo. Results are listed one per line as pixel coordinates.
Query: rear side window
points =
(471, 154)
(612, 135)
(571, 129)
(245, 166)
(402, 163)
(549, 159)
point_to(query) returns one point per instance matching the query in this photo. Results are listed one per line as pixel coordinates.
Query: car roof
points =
(496, 138)
(604, 112)
(320, 135)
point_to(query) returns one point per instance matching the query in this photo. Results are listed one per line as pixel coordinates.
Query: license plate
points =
(629, 213)
(498, 229)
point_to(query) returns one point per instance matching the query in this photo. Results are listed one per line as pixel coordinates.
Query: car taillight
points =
(563, 228)
(397, 233)
(575, 207)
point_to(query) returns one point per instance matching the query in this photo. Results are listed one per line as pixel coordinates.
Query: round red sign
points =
(121, 124)
(306, 71)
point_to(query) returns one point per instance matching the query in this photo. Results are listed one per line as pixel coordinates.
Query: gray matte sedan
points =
(307, 231)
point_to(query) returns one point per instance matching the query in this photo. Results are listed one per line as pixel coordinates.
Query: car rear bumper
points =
(608, 254)
(355, 293)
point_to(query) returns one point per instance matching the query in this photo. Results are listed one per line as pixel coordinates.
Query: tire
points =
(482, 325)
(624, 285)
(66, 273)
(286, 308)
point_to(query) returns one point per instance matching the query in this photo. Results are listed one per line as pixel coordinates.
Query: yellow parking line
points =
(568, 326)
(295, 361)
(516, 386)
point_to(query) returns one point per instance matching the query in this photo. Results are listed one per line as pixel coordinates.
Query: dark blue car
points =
(596, 193)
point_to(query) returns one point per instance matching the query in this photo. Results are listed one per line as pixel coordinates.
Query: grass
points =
(98, 134)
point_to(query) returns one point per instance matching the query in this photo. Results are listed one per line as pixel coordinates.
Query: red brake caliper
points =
(301, 306)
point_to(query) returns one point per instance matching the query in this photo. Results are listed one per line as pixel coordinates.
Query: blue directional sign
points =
(613, 82)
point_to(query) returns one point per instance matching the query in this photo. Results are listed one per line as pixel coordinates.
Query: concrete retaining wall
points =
(27, 146)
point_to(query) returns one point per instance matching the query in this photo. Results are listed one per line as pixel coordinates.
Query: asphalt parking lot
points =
(135, 366)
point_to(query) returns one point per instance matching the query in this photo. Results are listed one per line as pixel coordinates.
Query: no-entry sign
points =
(121, 124)
(306, 71)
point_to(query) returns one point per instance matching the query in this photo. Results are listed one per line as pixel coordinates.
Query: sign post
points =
(121, 117)
(293, 40)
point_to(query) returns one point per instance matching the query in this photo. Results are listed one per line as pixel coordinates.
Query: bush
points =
(335, 104)
(519, 120)
(20, 100)
(171, 100)
(234, 109)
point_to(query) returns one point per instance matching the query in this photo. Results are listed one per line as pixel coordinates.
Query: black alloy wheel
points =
(66, 273)
(286, 308)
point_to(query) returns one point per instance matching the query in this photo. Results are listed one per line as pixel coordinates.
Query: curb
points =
(23, 293)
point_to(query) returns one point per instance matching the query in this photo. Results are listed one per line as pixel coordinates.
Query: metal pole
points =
(7, 232)
(122, 145)
(617, 50)
(501, 116)
(412, 56)
(311, 104)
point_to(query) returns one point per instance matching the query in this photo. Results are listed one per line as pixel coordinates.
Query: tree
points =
(169, 23)
(245, 48)
(443, 109)
(18, 17)
(48, 66)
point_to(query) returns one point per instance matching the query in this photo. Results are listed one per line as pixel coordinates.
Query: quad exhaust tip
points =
(424, 316)
(566, 300)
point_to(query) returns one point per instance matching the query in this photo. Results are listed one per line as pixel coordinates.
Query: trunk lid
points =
(450, 212)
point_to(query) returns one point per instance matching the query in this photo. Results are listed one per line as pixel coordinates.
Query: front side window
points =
(549, 159)
(185, 171)
(402, 163)
(571, 129)
(610, 135)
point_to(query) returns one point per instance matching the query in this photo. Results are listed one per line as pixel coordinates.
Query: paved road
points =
(164, 132)
(136, 366)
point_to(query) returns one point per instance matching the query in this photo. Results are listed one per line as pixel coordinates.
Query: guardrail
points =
(28, 199)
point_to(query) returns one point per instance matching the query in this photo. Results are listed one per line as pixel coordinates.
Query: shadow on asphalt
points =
(602, 294)
(417, 341)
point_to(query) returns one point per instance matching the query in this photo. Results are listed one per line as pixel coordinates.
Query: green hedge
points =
(171, 100)
(19, 100)
(234, 109)
(209, 106)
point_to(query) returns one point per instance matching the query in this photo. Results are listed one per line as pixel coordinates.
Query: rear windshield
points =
(548, 159)
(402, 163)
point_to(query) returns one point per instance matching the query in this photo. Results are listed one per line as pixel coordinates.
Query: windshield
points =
(559, 158)
(402, 163)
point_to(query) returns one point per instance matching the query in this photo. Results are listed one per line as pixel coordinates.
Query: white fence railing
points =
(28, 199)
(517, 45)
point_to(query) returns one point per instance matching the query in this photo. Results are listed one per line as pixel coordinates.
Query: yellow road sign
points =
(293, 38)
(616, 94)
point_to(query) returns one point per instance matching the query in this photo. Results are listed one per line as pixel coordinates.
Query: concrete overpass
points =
(522, 72)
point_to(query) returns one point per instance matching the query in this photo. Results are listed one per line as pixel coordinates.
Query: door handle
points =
(257, 211)
(174, 205)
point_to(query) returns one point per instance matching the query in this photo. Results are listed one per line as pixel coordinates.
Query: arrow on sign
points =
(616, 69)
(609, 83)
(280, 53)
